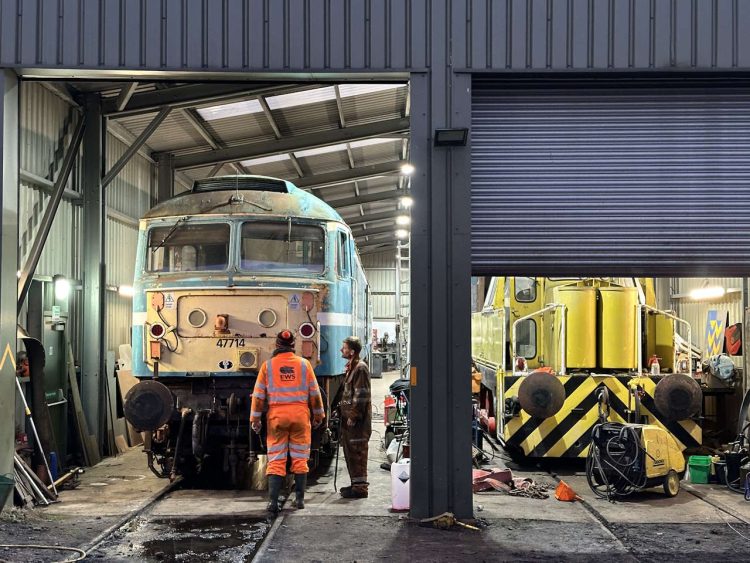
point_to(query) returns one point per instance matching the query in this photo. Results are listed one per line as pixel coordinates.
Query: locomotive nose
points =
(148, 406)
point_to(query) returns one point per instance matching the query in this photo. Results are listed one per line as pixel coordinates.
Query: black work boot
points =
(274, 487)
(300, 482)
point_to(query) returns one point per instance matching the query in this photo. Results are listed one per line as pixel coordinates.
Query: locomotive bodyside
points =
(220, 271)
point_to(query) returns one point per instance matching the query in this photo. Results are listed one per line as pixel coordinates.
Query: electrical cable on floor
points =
(52, 547)
(732, 527)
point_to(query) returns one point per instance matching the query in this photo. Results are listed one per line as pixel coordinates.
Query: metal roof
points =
(348, 136)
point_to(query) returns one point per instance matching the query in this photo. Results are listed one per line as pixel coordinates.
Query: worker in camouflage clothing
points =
(356, 418)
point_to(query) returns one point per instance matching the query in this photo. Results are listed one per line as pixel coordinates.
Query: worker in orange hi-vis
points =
(287, 384)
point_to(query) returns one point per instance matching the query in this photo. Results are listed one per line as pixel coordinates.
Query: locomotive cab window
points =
(342, 255)
(288, 247)
(525, 290)
(526, 339)
(188, 248)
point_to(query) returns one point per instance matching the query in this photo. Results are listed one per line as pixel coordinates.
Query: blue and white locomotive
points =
(220, 270)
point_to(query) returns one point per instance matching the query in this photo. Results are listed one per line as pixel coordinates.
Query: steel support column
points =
(92, 361)
(440, 293)
(165, 177)
(8, 260)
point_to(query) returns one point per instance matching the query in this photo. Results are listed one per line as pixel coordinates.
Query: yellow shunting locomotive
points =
(557, 356)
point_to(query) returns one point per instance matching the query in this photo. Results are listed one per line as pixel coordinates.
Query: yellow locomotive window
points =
(526, 339)
(273, 246)
(188, 248)
(525, 290)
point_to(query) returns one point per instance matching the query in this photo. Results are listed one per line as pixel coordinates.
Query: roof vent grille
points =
(250, 183)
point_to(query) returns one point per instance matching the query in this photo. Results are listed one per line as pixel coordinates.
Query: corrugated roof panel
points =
(174, 133)
(244, 128)
(281, 169)
(307, 119)
(322, 163)
(388, 104)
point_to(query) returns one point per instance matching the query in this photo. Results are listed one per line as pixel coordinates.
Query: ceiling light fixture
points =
(407, 169)
(403, 220)
(703, 293)
(406, 202)
(402, 233)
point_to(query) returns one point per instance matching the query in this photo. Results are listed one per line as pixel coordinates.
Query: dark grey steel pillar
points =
(165, 177)
(8, 264)
(92, 361)
(441, 296)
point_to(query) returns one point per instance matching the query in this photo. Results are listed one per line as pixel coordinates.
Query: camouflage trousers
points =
(355, 442)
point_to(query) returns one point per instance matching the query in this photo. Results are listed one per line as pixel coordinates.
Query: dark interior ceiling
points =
(345, 142)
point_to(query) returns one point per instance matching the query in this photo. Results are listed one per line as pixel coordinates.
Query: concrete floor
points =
(702, 521)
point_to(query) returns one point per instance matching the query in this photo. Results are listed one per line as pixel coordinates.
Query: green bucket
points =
(6, 488)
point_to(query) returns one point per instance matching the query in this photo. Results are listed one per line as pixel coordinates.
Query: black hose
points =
(615, 466)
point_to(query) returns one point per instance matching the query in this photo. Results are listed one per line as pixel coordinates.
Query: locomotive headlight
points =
(197, 318)
(306, 330)
(157, 330)
(247, 358)
(267, 318)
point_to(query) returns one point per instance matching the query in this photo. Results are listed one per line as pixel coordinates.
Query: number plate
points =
(230, 343)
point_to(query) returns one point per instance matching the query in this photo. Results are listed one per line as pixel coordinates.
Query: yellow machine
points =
(626, 458)
(551, 349)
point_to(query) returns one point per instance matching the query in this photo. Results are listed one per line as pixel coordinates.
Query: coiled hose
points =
(615, 466)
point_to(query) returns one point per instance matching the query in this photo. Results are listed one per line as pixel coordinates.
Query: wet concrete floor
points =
(703, 521)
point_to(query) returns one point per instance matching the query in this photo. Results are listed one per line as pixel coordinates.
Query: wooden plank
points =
(90, 450)
(122, 445)
(126, 381)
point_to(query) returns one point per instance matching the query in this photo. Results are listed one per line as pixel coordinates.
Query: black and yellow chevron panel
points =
(568, 433)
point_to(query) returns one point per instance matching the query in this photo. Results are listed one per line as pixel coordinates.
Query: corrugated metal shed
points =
(328, 35)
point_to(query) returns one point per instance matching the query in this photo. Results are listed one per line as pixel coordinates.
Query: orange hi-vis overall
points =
(287, 384)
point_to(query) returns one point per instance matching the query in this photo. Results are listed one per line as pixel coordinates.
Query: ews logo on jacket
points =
(287, 374)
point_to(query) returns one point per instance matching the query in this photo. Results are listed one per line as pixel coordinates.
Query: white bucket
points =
(400, 477)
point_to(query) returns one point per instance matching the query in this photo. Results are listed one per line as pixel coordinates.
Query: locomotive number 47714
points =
(230, 343)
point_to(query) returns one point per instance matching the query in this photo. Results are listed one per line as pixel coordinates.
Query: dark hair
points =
(354, 343)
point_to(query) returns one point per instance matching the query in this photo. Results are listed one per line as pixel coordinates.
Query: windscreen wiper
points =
(169, 234)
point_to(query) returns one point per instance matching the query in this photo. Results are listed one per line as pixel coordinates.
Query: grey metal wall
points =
(380, 269)
(617, 180)
(128, 198)
(44, 118)
(507, 35)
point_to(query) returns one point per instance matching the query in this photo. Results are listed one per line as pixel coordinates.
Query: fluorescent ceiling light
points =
(714, 292)
(402, 233)
(347, 90)
(403, 220)
(265, 159)
(230, 110)
(301, 98)
(407, 169)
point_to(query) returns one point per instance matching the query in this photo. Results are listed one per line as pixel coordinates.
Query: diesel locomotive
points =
(220, 270)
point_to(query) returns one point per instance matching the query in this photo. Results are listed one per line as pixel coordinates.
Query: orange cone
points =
(565, 493)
